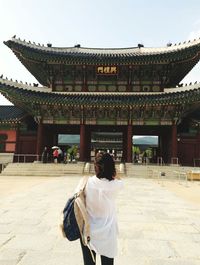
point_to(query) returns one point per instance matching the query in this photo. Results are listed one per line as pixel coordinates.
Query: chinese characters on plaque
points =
(107, 70)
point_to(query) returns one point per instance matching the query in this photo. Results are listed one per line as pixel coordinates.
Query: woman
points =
(101, 191)
(55, 155)
(45, 155)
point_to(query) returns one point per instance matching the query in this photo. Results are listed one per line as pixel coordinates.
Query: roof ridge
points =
(22, 85)
(78, 48)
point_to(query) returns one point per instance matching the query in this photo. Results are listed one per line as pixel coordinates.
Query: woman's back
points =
(100, 203)
(100, 192)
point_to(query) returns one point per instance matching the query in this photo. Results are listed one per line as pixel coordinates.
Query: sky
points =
(96, 24)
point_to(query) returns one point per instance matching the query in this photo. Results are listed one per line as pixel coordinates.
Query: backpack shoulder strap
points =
(83, 182)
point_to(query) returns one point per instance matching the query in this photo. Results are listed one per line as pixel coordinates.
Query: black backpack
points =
(75, 210)
(70, 227)
(75, 223)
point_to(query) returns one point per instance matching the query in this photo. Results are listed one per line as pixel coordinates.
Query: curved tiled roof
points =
(109, 52)
(11, 114)
(25, 86)
(29, 95)
(79, 55)
(40, 60)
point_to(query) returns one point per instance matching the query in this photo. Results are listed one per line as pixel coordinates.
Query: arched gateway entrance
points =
(117, 139)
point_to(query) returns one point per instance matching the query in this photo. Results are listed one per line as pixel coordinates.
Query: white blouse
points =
(100, 203)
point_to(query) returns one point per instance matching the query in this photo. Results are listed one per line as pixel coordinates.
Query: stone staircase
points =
(120, 168)
(40, 169)
(155, 171)
(81, 168)
(5, 158)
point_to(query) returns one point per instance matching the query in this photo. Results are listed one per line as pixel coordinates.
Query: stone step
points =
(154, 171)
(44, 167)
(39, 169)
(120, 169)
(80, 168)
(6, 158)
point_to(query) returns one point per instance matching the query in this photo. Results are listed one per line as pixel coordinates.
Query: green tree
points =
(136, 150)
(72, 151)
(149, 152)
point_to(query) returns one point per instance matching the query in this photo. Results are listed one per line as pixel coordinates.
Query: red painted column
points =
(82, 142)
(39, 138)
(174, 141)
(17, 140)
(129, 143)
(88, 144)
(124, 154)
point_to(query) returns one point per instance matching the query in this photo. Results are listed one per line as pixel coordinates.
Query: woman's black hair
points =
(105, 166)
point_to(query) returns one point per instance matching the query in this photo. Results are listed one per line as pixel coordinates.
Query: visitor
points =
(60, 155)
(135, 158)
(144, 158)
(45, 155)
(104, 187)
(55, 155)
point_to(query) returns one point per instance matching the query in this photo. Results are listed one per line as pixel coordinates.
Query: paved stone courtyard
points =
(157, 227)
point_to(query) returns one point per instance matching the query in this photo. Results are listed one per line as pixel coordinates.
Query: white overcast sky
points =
(91, 23)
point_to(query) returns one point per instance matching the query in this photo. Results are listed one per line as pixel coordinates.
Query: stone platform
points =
(158, 223)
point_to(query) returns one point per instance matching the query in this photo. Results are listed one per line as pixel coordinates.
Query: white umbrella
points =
(54, 147)
(59, 151)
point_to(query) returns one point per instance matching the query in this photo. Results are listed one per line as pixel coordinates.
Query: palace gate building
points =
(98, 92)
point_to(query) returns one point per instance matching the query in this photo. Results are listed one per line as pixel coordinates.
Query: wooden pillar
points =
(39, 138)
(160, 145)
(124, 154)
(17, 140)
(174, 141)
(88, 144)
(82, 142)
(129, 143)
